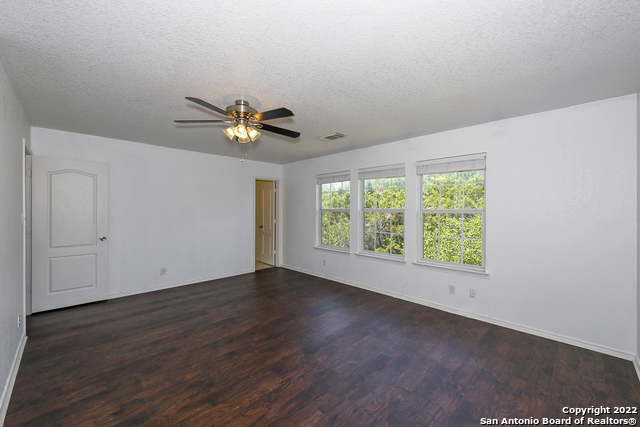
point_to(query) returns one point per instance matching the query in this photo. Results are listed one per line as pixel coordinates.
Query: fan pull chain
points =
(244, 151)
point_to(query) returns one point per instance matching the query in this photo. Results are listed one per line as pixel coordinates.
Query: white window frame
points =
(467, 163)
(330, 178)
(379, 172)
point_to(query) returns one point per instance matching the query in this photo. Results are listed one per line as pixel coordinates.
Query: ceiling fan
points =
(245, 121)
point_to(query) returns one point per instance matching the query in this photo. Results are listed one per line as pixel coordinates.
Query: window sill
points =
(453, 269)
(381, 257)
(334, 249)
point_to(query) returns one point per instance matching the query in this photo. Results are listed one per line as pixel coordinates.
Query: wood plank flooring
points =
(280, 348)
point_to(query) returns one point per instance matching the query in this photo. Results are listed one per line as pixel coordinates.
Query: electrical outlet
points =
(452, 289)
(472, 293)
(163, 271)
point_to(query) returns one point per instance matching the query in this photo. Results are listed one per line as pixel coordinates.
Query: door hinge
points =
(29, 172)
(29, 231)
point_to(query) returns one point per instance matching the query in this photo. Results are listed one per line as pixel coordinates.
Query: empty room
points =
(319, 213)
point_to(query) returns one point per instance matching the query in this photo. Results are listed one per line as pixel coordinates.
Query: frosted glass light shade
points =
(230, 132)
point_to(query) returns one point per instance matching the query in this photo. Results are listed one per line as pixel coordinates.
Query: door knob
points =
(103, 238)
(260, 226)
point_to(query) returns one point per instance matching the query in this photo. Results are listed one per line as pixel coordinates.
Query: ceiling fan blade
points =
(273, 114)
(207, 105)
(203, 121)
(281, 131)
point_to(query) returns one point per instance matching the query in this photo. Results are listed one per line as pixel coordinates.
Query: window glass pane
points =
(326, 219)
(397, 223)
(451, 250)
(334, 236)
(326, 199)
(430, 248)
(334, 196)
(345, 238)
(473, 226)
(325, 237)
(369, 241)
(335, 219)
(451, 197)
(474, 176)
(384, 199)
(474, 196)
(398, 198)
(451, 225)
(431, 197)
(368, 184)
(473, 252)
(384, 231)
(453, 237)
(369, 221)
(370, 199)
(433, 179)
(345, 219)
(451, 178)
(383, 222)
(383, 242)
(384, 182)
(431, 227)
(336, 201)
(397, 244)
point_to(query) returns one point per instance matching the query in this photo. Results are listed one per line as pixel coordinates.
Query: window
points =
(334, 218)
(452, 211)
(383, 210)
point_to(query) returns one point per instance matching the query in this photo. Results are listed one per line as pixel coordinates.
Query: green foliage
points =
(384, 231)
(336, 195)
(335, 225)
(453, 237)
(458, 190)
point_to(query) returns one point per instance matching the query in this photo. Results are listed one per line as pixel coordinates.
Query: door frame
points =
(26, 229)
(277, 215)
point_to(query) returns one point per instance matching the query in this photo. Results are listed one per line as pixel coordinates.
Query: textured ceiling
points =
(376, 70)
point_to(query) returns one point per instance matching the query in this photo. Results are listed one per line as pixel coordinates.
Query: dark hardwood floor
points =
(280, 348)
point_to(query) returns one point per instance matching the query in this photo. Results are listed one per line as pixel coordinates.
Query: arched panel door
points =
(70, 232)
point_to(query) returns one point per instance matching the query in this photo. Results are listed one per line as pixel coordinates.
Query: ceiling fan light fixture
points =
(253, 133)
(230, 132)
(244, 139)
(241, 131)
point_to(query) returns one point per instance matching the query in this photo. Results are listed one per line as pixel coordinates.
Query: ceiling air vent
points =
(332, 136)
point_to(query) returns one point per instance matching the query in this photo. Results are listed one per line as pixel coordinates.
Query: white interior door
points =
(70, 229)
(267, 223)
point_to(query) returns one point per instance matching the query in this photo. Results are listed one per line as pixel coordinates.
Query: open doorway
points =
(266, 223)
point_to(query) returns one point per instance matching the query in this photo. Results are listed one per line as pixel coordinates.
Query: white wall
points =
(561, 224)
(190, 213)
(14, 126)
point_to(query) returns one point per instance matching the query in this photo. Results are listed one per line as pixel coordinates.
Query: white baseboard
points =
(8, 388)
(506, 324)
(175, 285)
(636, 364)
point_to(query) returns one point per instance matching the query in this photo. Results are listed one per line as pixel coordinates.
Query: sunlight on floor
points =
(262, 265)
